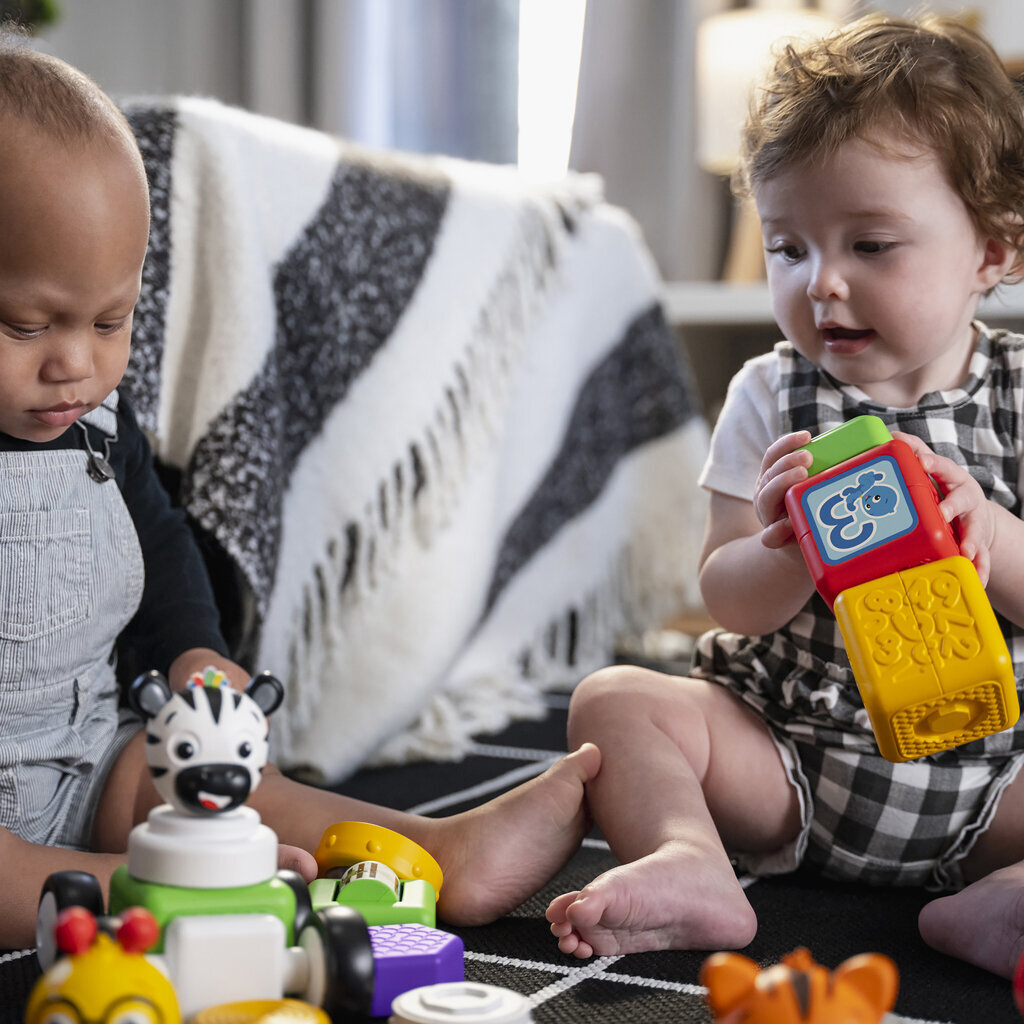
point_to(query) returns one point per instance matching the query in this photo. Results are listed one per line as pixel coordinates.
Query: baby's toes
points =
(558, 906)
(583, 950)
(570, 944)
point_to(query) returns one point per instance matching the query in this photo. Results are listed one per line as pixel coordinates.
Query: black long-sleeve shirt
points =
(178, 610)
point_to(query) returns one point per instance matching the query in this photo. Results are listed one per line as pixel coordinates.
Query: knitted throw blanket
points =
(433, 415)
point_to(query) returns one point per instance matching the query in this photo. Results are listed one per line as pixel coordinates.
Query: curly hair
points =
(932, 82)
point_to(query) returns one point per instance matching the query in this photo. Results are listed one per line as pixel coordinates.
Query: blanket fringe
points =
(568, 647)
(421, 491)
(646, 581)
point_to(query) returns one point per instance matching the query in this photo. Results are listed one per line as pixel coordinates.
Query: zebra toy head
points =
(207, 744)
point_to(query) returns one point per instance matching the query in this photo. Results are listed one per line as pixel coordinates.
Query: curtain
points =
(421, 75)
(636, 126)
(435, 76)
(428, 76)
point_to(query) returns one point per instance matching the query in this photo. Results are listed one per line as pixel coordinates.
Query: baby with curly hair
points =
(886, 162)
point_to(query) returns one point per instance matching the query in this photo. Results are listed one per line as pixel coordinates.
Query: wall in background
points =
(636, 127)
(440, 75)
(136, 47)
(422, 75)
(431, 75)
(1000, 20)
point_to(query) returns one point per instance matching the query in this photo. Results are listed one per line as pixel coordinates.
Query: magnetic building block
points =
(408, 956)
(378, 894)
(349, 842)
(843, 442)
(926, 650)
(929, 658)
(870, 515)
(385, 876)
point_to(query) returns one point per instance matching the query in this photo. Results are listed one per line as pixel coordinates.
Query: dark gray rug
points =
(834, 922)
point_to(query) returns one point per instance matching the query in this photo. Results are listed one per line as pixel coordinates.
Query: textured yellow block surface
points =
(930, 660)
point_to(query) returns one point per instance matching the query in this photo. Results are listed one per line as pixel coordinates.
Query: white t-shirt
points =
(748, 423)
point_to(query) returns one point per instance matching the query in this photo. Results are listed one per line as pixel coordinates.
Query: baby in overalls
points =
(91, 548)
(886, 162)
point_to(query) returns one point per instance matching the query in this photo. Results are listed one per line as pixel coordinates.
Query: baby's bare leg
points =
(127, 797)
(493, 857)
(984, 923)
(686, 771)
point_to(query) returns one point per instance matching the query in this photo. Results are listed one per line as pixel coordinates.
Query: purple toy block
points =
(408, 956)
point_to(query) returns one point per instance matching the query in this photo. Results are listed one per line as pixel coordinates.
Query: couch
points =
(429, 420)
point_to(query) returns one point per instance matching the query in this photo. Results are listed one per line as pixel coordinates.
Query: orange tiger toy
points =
(799, 991)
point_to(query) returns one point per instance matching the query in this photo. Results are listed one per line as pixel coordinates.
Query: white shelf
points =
(710, 303)
(718, 303)
(1005, 304)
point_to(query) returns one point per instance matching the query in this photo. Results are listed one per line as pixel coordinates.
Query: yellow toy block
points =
(929, 658)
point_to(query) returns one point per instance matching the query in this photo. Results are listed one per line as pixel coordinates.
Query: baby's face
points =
(876, 267)
(74, 227)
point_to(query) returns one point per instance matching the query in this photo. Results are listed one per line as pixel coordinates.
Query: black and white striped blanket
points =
(433, 415)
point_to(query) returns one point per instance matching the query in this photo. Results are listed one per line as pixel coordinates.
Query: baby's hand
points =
(294, 858)
(963, 500)
(782, 467)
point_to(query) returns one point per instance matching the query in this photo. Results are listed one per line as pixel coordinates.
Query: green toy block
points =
(415, 902)
(371, 890)
(860, 434)
(166, 902)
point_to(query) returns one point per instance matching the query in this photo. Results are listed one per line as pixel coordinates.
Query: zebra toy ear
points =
(267, 691)
(149, 693)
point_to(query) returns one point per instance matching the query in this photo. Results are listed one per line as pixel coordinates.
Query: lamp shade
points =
(732, 53)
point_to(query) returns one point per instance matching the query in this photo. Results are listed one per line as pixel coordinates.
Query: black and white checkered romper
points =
(865, 818)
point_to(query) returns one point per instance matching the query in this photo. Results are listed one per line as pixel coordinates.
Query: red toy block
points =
(869, 516)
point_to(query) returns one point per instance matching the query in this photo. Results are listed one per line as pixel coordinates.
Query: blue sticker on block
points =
(859, 510)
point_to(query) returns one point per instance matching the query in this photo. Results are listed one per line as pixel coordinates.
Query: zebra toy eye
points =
(184, 747)
(244, 749)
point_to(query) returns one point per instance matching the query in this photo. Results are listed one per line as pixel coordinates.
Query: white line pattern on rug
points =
(598, 970)
(514, 753)
(895, 1018)
(16, 954)
(573, 975)
(594, 969)
(504, 781)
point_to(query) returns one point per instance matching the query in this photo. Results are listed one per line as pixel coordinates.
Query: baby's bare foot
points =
(497, 855)
(675, 898)
(983, 924)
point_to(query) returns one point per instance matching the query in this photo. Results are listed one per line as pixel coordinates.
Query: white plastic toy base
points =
(460, 1002)
(219, 852)
(225, 958)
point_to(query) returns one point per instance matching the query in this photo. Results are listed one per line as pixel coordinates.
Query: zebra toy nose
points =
(212, 788)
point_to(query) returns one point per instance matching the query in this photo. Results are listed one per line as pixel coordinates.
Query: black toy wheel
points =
(61, 890)
(341, 974)
(303, 903)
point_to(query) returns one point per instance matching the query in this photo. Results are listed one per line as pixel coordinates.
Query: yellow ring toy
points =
(348, 842)
(263, 1011)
